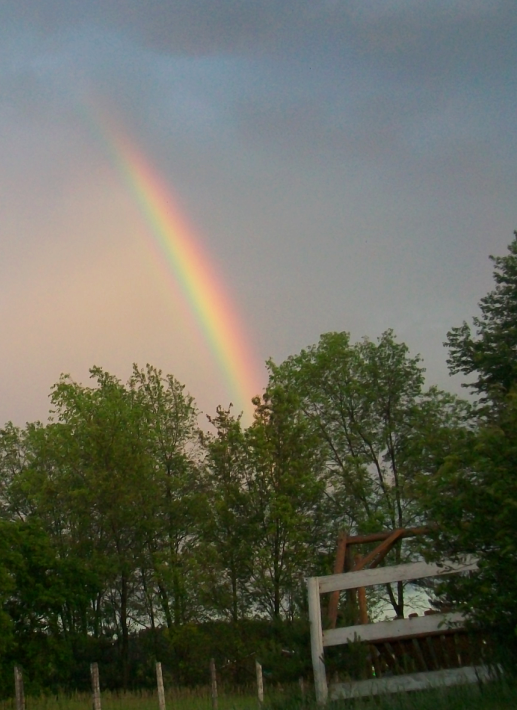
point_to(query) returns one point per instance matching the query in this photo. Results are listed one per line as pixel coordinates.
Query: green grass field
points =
(492, 696)
(183, 699)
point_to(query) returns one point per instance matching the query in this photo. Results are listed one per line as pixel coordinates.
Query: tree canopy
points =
(473, 496)
(130, 532)
(491, 353)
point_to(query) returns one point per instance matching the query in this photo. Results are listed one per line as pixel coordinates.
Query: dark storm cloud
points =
(360, 76)
(434, 34)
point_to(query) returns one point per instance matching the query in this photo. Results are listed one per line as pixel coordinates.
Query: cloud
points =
(392, 30)
(340, 159)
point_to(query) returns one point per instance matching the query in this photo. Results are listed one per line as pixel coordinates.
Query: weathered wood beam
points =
(379, 553)
(412, 681)
(397, 573)
(389, 630)
(318, 663)
(378, 537)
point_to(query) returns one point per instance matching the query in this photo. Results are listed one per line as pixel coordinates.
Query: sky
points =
(338, 165)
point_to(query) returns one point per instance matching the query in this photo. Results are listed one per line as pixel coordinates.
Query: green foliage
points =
(287, 489)
(377, 427)
(127, 535)
(108, 484)
(227, 525)
(491, 353)
(473, 497)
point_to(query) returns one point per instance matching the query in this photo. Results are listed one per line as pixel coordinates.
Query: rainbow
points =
(186, 263)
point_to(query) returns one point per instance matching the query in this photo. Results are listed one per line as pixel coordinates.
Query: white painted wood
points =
(398, 628)
(318, 663)
(411, 681)
(260, 683)
(396, 573)
(161, 689)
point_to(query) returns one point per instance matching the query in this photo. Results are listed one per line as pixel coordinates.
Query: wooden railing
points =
(385, 631)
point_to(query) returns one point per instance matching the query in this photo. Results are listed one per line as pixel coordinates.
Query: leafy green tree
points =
(103, 475)
(287, 489)
(473, 496)
(170, 420)
(377, 425)
(225, 551)
(491, 354)
(110, 480)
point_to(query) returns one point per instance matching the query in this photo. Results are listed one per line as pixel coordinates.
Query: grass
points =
(500, 695)
(492, 696)
(181, 699)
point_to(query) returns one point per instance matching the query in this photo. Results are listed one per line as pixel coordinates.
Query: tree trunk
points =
(125, 630)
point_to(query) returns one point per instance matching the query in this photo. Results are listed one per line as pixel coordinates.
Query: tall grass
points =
(176, 699)
(497, 695)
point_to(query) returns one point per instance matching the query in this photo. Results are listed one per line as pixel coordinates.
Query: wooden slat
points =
(419, 655)
(377, 537)
(429, 641)
(375, 659)
(379, 553)
(411, 681)
(396, 661)
(397, 573)
(400, 628)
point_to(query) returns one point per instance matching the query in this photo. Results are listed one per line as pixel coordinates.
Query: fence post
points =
(260, 683)
(301, 683)
(96, 688)
(339, 566)
(213, 683)
(18, 689)
(318, 664)
(159, 683)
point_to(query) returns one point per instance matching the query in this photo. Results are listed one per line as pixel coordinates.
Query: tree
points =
(102, 478)
(103, 475)
(226, 542)
(287, 488)
(171, 435)
(492, 353)
(473, 496)
(377, 425)
(111, 484)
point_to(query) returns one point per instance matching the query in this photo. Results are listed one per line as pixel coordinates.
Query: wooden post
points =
(18, 689)
(213, 683)
(361, 595)
(260, 683)
(379, 553)
(159, 683)
(301, 683)
(339, 566)
(363, 609)
(318, 664)
(96, 688)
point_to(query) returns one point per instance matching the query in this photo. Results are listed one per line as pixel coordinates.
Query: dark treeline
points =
(129, 535)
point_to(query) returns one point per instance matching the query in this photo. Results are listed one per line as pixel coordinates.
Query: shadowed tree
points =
(474, 495)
